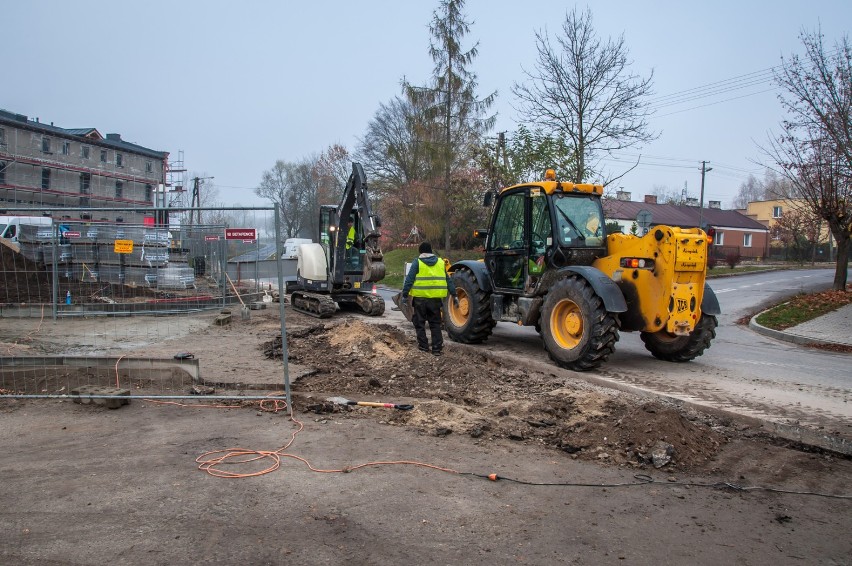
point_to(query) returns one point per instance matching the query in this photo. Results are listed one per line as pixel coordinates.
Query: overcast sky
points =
(235, 86)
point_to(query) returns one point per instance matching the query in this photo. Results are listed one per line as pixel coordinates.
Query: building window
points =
(45, 145)
(719, 238)
(84, 201)
(148, 167)
(45, 178)
(84, 151)
(2, 137)
(119, 160)
(746, 240)
(119, 189)
(85, 183)
(3, 173)
(66, 148)
(776, 212)
(103, 156)
(149, 190)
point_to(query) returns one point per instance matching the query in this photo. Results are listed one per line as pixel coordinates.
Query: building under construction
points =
(49, 167)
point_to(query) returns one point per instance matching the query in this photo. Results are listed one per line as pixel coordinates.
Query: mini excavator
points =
(344, 267)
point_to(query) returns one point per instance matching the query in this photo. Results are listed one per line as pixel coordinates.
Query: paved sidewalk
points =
(832, 328)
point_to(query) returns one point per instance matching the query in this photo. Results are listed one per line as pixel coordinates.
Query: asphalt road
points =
(743, 372)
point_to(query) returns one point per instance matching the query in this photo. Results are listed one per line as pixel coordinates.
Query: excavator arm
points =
(356, 199)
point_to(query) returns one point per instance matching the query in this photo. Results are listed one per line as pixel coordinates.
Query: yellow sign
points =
(123, 247)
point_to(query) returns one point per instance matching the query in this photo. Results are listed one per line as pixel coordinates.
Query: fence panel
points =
(107, 311)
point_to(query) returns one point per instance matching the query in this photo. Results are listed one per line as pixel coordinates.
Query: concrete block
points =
(86, 394)
(222, 320)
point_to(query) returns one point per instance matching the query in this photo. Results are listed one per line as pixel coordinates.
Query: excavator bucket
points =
(374, 265)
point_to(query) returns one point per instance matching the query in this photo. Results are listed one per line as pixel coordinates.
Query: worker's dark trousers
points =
(428, 311)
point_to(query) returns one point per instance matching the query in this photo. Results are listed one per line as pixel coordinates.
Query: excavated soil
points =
(465, 392)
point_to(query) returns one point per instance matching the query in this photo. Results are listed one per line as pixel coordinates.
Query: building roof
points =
(679, 215)
(84, 135)
(85, 132)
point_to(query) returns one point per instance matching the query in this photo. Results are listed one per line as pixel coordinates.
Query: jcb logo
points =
(682, 305)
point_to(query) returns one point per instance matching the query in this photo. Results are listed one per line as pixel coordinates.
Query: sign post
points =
(643, 218)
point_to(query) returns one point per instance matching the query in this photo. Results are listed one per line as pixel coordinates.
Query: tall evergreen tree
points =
(458, 117)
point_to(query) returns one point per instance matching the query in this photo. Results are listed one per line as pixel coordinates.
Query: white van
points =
(10, 226)
(291, 247)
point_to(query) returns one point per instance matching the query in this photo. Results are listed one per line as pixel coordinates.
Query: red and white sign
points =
(241, 233)
(70, 234)
(211, 238)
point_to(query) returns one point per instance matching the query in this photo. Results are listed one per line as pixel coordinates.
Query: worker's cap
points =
(425, 248)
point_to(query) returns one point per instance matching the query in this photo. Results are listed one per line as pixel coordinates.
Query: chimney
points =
(623, 195)
(714, 204)
(691, 201)
(113, 137)
(650, 199)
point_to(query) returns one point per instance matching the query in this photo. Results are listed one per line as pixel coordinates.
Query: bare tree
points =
(814, 151)
(582, 89)
(798, 229)
(394, 149)
(668, 195)
(750, 190)
(333, 167)
(292, 187)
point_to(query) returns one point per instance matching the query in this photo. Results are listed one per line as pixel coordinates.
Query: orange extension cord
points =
(212, 462)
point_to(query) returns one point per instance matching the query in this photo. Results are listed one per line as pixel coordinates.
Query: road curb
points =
(786, 336)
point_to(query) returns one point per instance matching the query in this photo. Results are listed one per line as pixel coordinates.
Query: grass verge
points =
(803, 308)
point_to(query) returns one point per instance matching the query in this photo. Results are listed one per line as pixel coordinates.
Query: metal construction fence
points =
(104, 310)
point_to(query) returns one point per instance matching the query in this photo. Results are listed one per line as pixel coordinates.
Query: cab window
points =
(509, 224)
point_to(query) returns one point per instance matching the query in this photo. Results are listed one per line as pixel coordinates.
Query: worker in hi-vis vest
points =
(428, 284)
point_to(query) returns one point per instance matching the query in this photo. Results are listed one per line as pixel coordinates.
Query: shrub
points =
(732, 259)
(711, 262)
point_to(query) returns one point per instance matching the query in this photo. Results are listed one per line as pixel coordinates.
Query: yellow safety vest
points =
(431, 281)
(350, 237)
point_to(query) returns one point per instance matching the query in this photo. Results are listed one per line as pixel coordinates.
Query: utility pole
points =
(196, 199)
(704, 170)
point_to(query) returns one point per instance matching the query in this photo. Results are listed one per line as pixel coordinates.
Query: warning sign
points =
(241, 233)
(123, 247)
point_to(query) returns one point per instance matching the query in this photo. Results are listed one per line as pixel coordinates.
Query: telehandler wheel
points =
(671, 348)
(470, 322)
(578, 332)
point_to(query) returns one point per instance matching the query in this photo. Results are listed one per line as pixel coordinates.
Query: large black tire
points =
(470, 322)
(577, 330)
(665, 346)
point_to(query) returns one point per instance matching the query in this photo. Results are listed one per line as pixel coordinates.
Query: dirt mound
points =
(469, 392)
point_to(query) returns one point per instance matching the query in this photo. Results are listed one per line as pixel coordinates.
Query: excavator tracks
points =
(313, 304)
(371, 305)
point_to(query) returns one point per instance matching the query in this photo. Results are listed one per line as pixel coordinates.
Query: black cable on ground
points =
(644, 479)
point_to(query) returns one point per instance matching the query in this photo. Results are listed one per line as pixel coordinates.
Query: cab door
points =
(506, 252)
